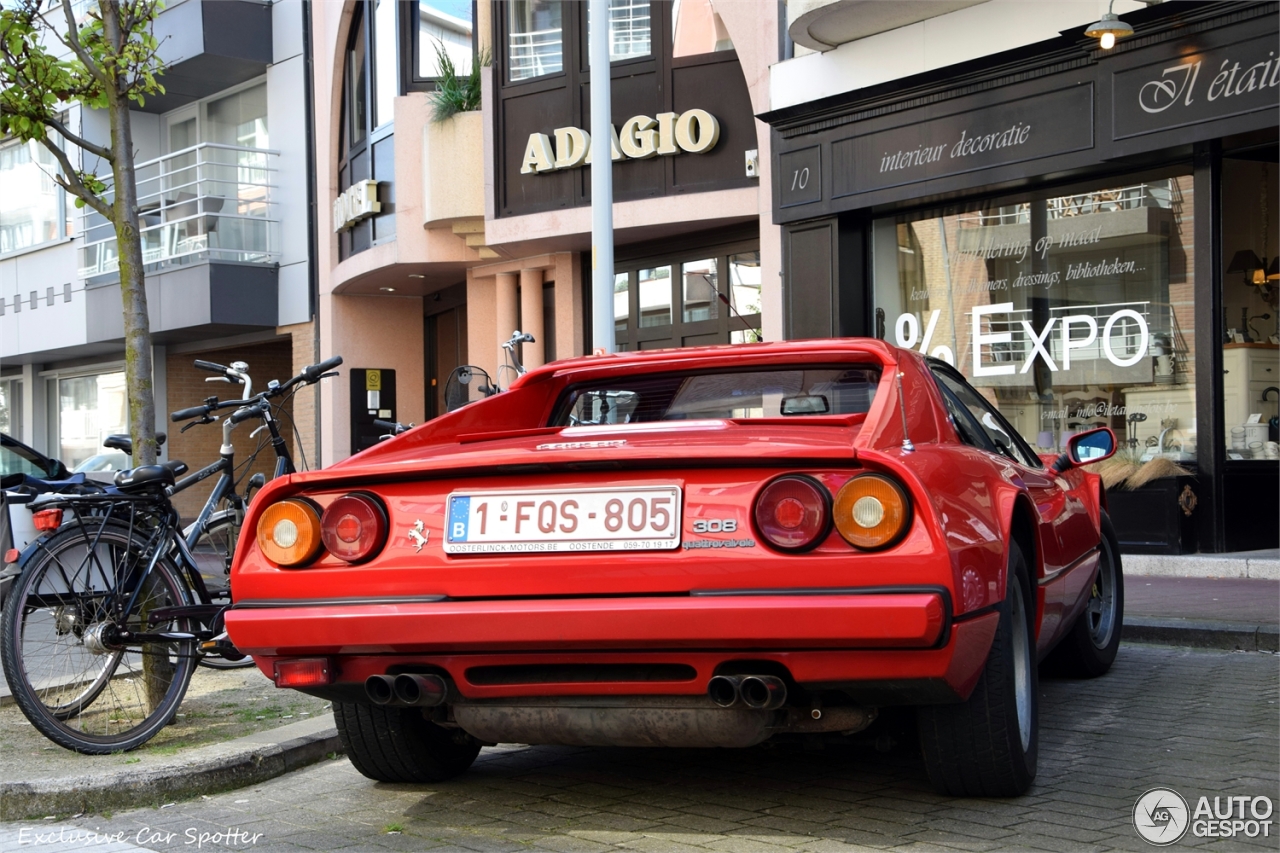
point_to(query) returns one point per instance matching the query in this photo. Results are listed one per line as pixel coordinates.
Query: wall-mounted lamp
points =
(1257, 273)
(1109, 29)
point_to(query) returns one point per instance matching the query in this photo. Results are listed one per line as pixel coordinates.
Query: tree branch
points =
(71, 182)
(79, 141)
(72, 41)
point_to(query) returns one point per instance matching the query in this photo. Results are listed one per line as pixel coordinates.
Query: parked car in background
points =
(697, 547)
(104, 462)
(18, 462)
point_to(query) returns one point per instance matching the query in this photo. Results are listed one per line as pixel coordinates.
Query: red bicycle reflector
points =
(47, 519)
(304, 672)
(12, 555)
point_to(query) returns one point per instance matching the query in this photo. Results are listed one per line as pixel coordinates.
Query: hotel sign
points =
(358, 201)
(641, 137)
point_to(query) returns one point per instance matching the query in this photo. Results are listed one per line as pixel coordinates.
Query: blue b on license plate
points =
(640, 518)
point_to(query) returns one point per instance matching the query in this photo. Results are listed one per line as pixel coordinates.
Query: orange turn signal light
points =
(872, 512)
(289, 533)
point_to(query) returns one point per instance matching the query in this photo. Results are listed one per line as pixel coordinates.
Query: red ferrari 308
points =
(698, 547)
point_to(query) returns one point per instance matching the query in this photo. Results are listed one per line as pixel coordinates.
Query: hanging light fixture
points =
(1109, 29)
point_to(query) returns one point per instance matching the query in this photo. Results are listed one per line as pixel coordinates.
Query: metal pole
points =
(601, 180)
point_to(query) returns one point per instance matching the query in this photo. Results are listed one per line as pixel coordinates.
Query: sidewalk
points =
(1239, 611)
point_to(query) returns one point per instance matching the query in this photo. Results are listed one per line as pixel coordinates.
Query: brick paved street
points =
(1203, 723)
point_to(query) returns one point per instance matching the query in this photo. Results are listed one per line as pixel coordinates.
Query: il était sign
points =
(358, 201)
(1240, 78)
(640, 137)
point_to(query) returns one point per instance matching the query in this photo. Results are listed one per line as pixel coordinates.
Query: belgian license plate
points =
(640, 518)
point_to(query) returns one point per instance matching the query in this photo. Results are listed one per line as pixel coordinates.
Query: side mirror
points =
(1086, 447)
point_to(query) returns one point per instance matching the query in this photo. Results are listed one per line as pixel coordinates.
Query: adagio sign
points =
(641, 137)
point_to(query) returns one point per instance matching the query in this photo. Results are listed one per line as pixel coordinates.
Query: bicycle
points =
(106, 622)
(457, 388)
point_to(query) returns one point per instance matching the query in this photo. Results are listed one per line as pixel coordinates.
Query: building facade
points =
(482, 223)
(1089, 234)
(222, 162)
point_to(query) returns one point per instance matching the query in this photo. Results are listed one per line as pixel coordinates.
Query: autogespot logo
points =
(1161, 816)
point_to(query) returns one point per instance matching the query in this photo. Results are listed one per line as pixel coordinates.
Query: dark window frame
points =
(724, 324)
(349, 151)
(411, 46)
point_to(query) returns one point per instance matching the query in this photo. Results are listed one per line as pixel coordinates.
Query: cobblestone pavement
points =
(1203, 723)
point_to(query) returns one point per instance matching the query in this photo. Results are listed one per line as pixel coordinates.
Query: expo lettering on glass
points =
(907, 334)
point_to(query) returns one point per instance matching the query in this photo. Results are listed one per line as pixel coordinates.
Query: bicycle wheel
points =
(212, 553)
(73, 678)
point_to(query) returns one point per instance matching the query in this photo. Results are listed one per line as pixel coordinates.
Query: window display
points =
(1067, 312)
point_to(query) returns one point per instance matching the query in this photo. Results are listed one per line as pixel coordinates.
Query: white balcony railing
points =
(1159, 194)
(206, 202)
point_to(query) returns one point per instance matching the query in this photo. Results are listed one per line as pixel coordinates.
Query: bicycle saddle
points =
(125, 444)
(145, 477)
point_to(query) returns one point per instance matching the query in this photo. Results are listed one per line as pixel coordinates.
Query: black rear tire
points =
(988, 745)
(1090, 647)
(400, 745)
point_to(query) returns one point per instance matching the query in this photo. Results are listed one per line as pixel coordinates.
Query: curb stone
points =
(1203, 634)
(220, 767)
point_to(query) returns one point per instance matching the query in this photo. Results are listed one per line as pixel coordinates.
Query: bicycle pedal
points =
(222, 647)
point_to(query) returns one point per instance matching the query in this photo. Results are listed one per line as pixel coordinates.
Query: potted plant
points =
(453, 144)
(1152, 503)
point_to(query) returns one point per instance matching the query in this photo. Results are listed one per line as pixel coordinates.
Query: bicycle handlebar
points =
(188, 414)
(211, 366)
(251, 406)
(313, 372)
(243, 414)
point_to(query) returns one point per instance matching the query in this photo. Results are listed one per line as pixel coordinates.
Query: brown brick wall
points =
(199, 445)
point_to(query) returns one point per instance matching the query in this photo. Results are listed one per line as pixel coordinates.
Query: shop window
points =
(621, 301)
(744, 296)
(696, 28)
(535, 46)
(11, 407)
(84, 411)
(1066, 311)
(655, 297)
(1250, 283)
(686, 299)
(700, 293)
(32, 206)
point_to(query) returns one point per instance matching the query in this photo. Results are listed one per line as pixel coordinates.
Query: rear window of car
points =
(797, 392)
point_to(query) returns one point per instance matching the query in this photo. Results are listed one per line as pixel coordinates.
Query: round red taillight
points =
(354, 528)
(793, 513)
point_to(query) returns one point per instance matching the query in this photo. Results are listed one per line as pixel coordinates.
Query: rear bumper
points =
(841, 620)
(900, 646)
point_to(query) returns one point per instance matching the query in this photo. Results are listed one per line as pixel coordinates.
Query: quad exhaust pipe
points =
(758, 692)
(422, 691)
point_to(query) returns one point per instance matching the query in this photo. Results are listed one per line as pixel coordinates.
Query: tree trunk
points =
(133, 290)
